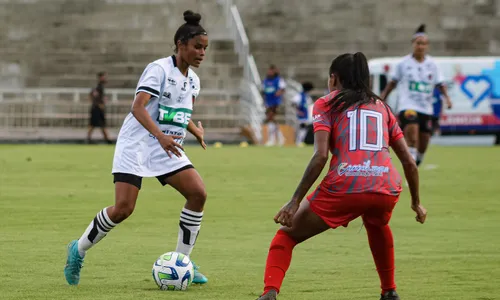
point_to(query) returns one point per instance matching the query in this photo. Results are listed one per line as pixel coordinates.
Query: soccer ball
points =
(173, 271)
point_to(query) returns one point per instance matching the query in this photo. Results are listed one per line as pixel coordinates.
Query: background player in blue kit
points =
(274, 87)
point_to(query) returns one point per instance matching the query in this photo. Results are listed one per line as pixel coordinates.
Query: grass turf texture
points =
(49, 194)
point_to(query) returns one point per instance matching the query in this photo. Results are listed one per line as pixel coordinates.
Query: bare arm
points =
(141, 114)
(280, 92)
(315, 166)
(409, 167)
(411, 174)
(388, 89)
(198, 132)
(193, 129)
(444, 91)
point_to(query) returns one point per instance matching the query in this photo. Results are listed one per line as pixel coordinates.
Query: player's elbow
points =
(409, 165)
(135, 108)
(321, 157)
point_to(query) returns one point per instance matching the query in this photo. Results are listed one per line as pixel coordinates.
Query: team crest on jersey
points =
(171, 81)
(168, 95)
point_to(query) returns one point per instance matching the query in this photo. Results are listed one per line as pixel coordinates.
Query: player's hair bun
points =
(192, 18)
(421, 29)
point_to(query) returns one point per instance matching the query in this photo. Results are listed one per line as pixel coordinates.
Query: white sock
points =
(271, 133)
(190, 223)
(413, 152)
(95, 232)
(420, 156)
(281, 137)
(301, 136)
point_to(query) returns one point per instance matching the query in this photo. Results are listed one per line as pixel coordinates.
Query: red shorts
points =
(339, 210)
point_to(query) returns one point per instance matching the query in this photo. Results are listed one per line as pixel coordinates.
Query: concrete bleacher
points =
(58, 43)
(302, 37)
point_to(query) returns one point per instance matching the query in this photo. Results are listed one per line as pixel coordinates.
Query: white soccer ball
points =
(173, 271)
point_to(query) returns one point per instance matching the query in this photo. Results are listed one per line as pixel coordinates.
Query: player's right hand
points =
(421, 213)
(286, 213)
(169, 144)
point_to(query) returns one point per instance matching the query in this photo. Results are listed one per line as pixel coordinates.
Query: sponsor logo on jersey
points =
(184, 86)
(421, 87)
(171, 81)
(174, 116)
(364, 170)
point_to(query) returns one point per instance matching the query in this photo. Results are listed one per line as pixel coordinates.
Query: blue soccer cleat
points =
(74, 264)
(198, 277)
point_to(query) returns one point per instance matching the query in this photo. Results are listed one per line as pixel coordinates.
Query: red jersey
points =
(360, 140)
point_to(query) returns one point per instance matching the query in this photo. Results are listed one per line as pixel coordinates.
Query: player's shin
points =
(382, 247)
(278, 261)
(95, 232)
(189, 227)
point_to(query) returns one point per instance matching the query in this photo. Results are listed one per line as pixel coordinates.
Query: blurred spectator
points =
(97, 110)
(274, 87)
(301, 102)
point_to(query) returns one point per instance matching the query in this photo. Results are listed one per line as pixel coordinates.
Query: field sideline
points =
(49, 194)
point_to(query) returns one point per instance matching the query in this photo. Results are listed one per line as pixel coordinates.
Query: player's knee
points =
(122, 212)
(198, 198)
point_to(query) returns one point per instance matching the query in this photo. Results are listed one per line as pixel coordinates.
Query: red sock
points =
(278, 261)
(382, 246)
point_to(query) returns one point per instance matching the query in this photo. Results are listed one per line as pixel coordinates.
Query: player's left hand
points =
(286, 213)
(449, 104)
(200, 136)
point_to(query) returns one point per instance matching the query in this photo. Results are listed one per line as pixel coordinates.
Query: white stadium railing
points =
(69, 107)
(252, 104)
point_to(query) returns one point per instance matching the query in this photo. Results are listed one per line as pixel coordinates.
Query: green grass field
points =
(49, 194)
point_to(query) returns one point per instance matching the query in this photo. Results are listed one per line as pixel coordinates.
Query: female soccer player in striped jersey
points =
(417, 75)
(150, 145)
(357, 128)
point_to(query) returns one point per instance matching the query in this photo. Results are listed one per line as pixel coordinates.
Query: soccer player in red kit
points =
(357, 128)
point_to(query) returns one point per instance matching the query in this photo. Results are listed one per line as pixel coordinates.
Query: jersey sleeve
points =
(439, 76)
(296, 99)
(322, 119)
(395, 132)
(197, 88)
(397, 72)
(150, 81)
(282, 84)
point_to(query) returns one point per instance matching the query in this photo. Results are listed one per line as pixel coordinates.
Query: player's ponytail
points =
(354, 76)
(190, 29)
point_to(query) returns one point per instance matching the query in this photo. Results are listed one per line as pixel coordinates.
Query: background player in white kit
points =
(150, 145)
(417, 75)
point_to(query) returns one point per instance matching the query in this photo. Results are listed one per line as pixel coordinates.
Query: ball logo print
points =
(173, 271)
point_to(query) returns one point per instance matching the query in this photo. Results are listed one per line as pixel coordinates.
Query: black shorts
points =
(435, 123)
(413, 117)
(137, 180)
